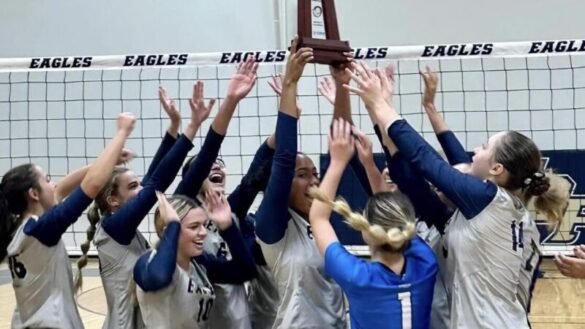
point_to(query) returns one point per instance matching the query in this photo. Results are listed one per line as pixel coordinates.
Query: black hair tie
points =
(537, 176)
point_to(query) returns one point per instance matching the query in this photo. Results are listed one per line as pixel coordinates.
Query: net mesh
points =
(62, 119)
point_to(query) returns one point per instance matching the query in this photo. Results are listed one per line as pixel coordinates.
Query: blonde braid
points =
(94, 217)
(395, 237)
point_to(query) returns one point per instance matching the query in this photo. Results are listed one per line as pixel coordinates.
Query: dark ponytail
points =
(13, 201)
(7, 225)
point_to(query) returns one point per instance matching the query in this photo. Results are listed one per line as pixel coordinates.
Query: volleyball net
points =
(59, 112)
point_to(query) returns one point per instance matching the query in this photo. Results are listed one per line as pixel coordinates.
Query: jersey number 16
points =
(17, 269)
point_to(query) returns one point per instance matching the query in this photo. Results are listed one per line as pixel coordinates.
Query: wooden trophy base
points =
(329, 52)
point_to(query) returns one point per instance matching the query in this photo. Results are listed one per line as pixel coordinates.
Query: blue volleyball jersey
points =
(380, 298)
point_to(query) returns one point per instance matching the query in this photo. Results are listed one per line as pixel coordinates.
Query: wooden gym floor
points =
(558, 303)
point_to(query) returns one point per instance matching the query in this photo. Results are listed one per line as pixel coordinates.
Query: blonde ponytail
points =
(553, 201)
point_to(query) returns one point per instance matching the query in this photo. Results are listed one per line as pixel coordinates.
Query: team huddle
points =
(452, 243)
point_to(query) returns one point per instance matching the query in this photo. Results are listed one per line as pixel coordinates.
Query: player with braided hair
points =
(400, 279)
(33, 220)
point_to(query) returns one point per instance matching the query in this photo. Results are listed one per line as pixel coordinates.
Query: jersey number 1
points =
(406, 306)
(17, 269)
(517, 235)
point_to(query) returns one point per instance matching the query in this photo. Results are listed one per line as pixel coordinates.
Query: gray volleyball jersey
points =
(484, 258)
(530, 257)
(43, 284)
(263, 299)
(440, 310)
(184, 304)
(230, 309)
(309, 298)
(116, 265)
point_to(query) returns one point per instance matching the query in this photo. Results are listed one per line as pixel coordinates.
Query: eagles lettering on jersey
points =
(211, 227)
(266, 57)
(60, 62)
(564, 46)
(458, 50)
(155, 60)
(310, 232)
(370, 53)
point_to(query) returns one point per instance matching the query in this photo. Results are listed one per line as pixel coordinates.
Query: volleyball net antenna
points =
(59, 112)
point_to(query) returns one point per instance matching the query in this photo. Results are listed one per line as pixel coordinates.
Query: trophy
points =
(317, 29)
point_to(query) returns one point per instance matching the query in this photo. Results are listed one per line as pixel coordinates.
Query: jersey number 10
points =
(204, 309)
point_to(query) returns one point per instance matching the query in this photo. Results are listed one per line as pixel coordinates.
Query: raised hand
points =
(276, 84)
(387, 81)
(125, 156)
(431, 82)
(199, 111)
(341, 143)
(218, 209)
(126, 121)
(369, 83)
(243, 80)
(170, 107)
(363, 146)
(339, 73)
(297, 60)
(167, 212)
(327, 89)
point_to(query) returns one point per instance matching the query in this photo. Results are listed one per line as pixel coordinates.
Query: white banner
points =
(437, 51)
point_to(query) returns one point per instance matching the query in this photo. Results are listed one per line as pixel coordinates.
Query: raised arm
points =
(470, 194)
(341, 149)
(54, 222)
(241, 267)
(155, 269)
(170, 136)
(254, 180)
(240, 85)
(364, 150)
(276, 84)
(409, 181)
(154, 272)
(342, 105)
(256, 177)
(332, 89)
(66, 185)
(272, 216)
(453, 149)
(426, 203)
(173, 113)
(122, 224)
